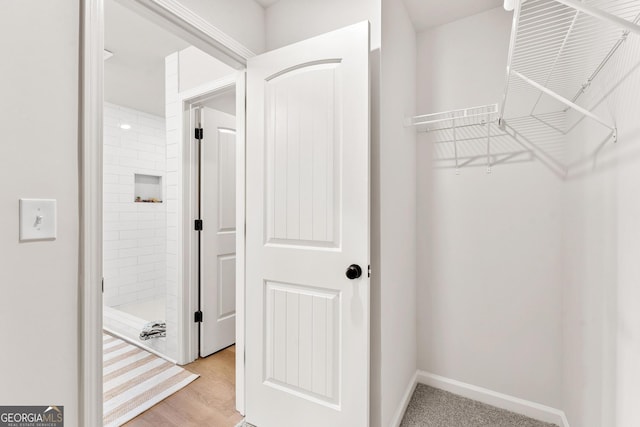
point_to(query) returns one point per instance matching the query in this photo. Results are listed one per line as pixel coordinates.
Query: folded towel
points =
(155, 329)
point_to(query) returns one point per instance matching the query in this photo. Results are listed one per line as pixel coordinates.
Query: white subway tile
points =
(152, 275)
(129, 216)
(127, 243)
(136, 234)
(154, 241)
(128, 278)
(110, 178)
(110, 217)
(110, 236)
(128, 198)
(127, 262)
(129, 152)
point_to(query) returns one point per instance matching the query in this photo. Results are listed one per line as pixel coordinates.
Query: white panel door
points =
(218, 245)
(307, 330)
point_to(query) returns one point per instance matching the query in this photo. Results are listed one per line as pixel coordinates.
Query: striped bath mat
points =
(134, 380)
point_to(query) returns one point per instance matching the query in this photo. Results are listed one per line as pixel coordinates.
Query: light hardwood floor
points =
(209, 401)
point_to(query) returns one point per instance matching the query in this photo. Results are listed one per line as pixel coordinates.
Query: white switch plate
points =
(37, 219)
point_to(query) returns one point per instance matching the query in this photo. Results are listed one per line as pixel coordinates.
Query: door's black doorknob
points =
(353, 272)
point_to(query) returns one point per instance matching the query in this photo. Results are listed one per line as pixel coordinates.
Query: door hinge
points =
(197, 317)
(198, 225)
(369, 271)
(103, 285)
(199, 133)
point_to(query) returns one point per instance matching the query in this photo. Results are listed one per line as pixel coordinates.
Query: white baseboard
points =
(404, 403)
(490, 397)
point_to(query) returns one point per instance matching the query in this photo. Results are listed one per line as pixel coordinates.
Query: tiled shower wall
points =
(134, 233)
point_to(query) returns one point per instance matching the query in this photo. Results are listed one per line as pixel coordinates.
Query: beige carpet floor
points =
(431, 407)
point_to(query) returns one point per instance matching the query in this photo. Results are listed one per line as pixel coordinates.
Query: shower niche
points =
(148, 188)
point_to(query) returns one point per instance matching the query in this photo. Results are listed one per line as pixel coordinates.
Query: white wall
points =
(39, 131)
(242, 20)
(174, 182)
(602, 244)
(288, 21)
(198, 68)
(134, 233)
(397, 209)
(489, 245)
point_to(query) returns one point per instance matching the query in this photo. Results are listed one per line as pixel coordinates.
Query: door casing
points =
(189, 329)
(194, 29)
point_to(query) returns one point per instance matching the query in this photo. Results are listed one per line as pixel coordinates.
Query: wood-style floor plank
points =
(208, 401)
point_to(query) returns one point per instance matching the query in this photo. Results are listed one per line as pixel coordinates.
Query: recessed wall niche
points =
(148, 189)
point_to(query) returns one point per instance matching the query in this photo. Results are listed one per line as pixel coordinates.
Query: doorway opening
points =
(169, 210)
(307, 293)
(214, 124)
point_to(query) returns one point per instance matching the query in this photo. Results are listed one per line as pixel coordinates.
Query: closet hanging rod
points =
(606, 59)
(563, 100)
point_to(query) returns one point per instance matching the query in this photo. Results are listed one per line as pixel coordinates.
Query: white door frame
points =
(197, 31)
(188, 335)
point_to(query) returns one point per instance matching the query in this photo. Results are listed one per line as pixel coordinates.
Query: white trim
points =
(205, 90)
(139, 344)
(200, 33)
(404, 403)
(490, 397)
(188, 304)
(241, 140)
(191, 27)
(187, 269)
(90, 189)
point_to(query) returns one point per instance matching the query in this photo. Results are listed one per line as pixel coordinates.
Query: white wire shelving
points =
(455, 118)
(558, 48)
(457, 121)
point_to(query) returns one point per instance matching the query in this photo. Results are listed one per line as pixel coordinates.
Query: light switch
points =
(37, 219)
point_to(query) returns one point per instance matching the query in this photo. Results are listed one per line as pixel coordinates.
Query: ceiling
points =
(431, 13)
(266, 3)
(134, 75)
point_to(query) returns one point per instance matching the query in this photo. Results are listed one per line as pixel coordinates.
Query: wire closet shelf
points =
(455, 122)
(464, 117)
(558, 48)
